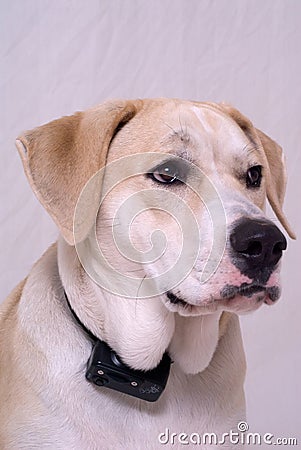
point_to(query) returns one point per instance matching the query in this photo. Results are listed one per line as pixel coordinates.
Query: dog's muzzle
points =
(256, 247)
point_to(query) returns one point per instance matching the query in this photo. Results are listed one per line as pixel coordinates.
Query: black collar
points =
(105, 368)
(86, 330)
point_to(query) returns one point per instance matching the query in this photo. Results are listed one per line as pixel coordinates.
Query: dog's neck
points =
(191, 341)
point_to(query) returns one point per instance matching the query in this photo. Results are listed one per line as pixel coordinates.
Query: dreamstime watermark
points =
(240, 436)
(129, 201)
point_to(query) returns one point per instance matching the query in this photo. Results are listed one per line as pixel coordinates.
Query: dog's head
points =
(173, 193)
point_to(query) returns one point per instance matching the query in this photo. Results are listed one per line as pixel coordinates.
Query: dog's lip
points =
(270, 294)
(176, 300)
(229, 291)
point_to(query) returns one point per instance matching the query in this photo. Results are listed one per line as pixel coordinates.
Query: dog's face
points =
(189, 150)
(164, 201)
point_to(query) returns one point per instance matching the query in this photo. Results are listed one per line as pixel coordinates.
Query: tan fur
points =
(223, 323)
(61, 156)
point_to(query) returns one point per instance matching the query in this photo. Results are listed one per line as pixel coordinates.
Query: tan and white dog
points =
(189, 150)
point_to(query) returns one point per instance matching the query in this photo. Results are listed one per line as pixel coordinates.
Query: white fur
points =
(72, 414)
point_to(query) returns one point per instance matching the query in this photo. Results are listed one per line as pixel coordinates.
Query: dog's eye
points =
(167, 173)
(254, 177)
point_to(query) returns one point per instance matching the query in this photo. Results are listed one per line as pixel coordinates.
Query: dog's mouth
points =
(174, 300)
(227, 296)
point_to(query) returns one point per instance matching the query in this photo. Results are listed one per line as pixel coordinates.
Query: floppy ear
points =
(276, 180)
(276, 173)
(61, 156)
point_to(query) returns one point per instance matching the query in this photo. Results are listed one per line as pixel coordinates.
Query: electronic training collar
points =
(105, 368)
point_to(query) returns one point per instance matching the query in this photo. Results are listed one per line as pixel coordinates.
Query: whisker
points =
(110, 225)
(170, 127)
(133, 271)
(140, 286)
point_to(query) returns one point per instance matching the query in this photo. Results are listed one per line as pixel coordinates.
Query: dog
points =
(163, 243)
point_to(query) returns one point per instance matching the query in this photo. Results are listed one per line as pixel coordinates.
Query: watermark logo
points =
(124, 192)
(242, 436)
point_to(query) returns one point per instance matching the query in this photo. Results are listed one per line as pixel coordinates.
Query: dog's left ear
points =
(276, 179)
(276, 173)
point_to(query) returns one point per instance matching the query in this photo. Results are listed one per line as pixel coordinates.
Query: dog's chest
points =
(102, 418)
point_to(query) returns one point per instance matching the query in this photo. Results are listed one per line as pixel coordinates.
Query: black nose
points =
(257, 245)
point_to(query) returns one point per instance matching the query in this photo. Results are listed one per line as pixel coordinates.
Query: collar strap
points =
(105, 368)
(86, 330)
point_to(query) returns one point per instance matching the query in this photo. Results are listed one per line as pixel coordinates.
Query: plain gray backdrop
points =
(59, 56)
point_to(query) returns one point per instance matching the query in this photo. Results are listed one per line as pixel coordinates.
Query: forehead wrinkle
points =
(251, 148)
(177, 143)
(249, 151)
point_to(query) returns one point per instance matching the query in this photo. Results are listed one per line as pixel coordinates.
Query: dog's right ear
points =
(61, 156)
